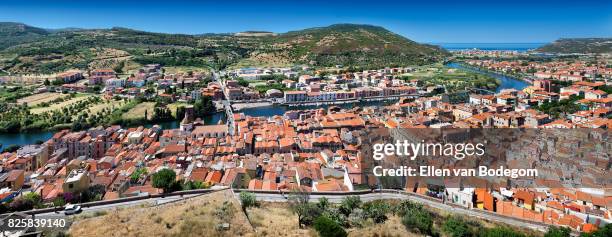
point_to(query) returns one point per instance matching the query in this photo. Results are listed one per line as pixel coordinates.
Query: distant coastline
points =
(522, 47)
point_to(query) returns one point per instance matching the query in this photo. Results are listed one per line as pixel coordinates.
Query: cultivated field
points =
(107, 104)
(60, 105)
(184, 69)
(36, 99)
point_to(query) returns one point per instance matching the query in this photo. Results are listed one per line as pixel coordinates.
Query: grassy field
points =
(261, 61)
(275, 219)
(198, 216)
(452, 79)
(60, 105)
(173, 107)
(107, 104)
(36, 99)
(184, 69)
(139, 111)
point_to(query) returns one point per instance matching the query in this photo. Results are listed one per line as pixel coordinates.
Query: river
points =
(7, 139)
(506, 81)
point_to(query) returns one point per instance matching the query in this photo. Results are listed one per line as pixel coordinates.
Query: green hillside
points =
(26, 49)
(579, 45)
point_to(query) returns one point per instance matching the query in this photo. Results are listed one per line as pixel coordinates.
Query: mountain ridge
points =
(38, 50)
(578, 45)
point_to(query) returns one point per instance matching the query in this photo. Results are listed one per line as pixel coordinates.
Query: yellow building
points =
(77, 181)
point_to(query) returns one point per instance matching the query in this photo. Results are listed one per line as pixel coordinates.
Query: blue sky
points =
(424, 21)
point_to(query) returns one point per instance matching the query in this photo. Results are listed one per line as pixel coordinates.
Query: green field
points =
(138, 112)
(452, 79)
(57, 106)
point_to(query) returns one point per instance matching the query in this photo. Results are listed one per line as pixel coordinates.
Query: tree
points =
(455, 227)
(135, 176)
(348, 204)
(323, 203)
(180, 112)
(247, 200)
(26, 202)
(203, 106)
(377, 210)
(164, 179)
(554, 231)
(191, 185)
(242, 82)
(328, 228)
(307, 212)
(11, 148)
(47, 82)
(93, 193)
(419, 219)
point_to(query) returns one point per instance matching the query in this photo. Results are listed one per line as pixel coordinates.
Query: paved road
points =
(377, 196)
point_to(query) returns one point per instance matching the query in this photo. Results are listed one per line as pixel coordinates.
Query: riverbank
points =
(485, 70)
(241, 106)
(266, 109)
(507, 82)
(350, 101)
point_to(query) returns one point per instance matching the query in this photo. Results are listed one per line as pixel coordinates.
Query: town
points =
(313, 148)
(94, 122)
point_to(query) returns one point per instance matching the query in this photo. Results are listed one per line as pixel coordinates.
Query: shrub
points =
(164, 179)
(247, 200)
(323, 203)
(455, 227)
(357, 218)
(554, 231)
(419, 219)
(299, 202)
(328, 228)
(377, 210)
(335, 215)
(405, 206)
(500, 232)
(349, 203)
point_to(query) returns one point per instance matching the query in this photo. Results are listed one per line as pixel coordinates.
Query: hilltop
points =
(357, 45)
(27, 49)
(13, 33)
(578, 45)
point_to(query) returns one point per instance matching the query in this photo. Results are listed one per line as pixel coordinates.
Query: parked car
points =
(72, 209)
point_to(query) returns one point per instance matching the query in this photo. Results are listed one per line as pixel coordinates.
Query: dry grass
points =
(199, 217)
(139, 110)
(276, 219)
(34, 100)
(392, 227)
(193, 217)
